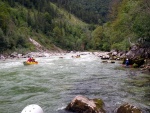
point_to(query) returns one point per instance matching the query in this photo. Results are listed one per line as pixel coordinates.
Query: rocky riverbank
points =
(31, 54)
(82, 104)
(136, 60)
(138, 57)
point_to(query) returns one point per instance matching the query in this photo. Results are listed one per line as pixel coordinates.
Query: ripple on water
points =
(55, 81)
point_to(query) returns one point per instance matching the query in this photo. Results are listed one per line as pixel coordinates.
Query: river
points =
(55, 81)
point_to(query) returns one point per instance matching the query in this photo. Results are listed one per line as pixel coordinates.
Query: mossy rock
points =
(127, 108)
(139, 61)
(99, 104)
(135, 65)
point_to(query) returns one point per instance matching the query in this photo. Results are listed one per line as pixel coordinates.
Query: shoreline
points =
(16, 55)
(101, 54)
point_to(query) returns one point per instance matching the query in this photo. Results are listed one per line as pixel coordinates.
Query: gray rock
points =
(138, 52)
(127, 108)
(81, 104)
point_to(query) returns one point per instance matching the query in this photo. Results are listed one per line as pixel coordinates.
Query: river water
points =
(55, 81)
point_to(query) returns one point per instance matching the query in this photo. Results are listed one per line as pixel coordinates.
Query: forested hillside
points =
(101, 24)
(132, 24)
(90, 11)
(42, 21)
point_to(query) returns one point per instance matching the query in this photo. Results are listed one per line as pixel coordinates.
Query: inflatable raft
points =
(30, 63)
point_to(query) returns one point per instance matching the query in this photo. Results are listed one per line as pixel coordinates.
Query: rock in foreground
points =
(81, 104)
(127, 108)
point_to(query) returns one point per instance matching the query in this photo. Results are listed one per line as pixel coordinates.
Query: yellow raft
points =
(30, 63)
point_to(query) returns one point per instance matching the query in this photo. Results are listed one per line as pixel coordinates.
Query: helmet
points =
(33, 108)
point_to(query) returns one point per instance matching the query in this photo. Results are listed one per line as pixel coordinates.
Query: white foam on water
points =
(10, 64)
(61, 108)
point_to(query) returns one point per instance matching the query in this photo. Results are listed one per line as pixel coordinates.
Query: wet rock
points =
(81, 104)
(127, 108)
(14, 54)
(135, 65)
(121, 53)
(114, 53)
(104, 61)
(105, 57)
(2, 57)
(137, 62)
(117, 55)
(112, 61)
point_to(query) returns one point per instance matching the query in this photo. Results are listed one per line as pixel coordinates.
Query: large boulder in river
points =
(127, 108)
(138, 52)
(81, 104)
(137, 55)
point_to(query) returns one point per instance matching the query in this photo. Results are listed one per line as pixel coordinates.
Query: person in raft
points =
(31, 59)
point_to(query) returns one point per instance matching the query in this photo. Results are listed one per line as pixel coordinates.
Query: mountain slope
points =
(45, 23)
(90, 11)
(52, 26)
(131, 22)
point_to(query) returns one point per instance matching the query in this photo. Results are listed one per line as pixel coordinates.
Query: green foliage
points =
(3, 41)
(135, 65)
(100, 40)
(131, 22)
(118, 46)
(93, 12)
(42, 21)
(4, 16)
(49, 24)
(141, 25)
(97, 37)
